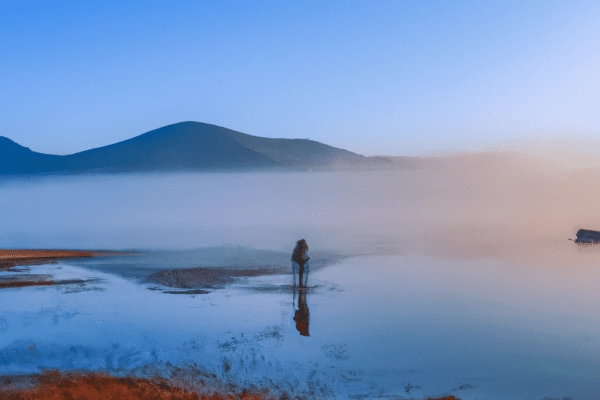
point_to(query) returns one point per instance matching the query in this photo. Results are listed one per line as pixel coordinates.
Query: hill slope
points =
(16, 159)
(186, 146)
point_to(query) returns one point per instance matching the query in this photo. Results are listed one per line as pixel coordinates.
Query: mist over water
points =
(269, 210)
(472, 205)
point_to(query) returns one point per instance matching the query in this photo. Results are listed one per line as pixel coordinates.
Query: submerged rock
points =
(587, 236)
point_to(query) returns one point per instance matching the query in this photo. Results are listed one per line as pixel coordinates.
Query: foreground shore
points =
(96, 386)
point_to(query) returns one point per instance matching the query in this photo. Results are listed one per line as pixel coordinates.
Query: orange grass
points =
(54, 385)
(11, 258)
(27, 254)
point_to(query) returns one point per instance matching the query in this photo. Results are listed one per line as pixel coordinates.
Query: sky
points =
(376, 78)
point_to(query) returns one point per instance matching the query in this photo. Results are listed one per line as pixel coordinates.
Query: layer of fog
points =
(494, 204)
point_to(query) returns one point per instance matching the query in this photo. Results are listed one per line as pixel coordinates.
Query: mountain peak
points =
(184, 146)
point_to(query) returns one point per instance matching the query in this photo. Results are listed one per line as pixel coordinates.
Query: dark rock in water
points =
(587, 236)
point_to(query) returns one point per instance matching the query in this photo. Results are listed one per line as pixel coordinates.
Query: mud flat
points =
(209, 277)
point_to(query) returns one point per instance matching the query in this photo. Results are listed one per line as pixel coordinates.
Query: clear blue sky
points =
(377, 77)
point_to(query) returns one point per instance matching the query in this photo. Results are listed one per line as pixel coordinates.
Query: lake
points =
(379, 325)
(429, 283)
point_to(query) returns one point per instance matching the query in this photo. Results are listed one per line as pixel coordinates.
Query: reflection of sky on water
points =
(378, 325)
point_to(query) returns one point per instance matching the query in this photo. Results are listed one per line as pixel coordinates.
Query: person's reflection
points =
(302, 315)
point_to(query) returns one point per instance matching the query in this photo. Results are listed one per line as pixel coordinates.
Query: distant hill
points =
(186, 146)
(16, 159)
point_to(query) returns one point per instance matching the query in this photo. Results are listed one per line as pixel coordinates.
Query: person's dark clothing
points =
(300, 263)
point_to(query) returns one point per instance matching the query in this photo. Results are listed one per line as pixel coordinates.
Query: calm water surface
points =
(409, 326)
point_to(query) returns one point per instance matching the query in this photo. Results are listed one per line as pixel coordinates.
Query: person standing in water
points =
(300, 262)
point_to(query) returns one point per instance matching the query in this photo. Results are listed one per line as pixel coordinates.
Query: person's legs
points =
(295, 270)
(306, 266)
(300, 275)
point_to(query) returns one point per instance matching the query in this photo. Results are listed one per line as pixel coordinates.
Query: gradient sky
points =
(383, 77)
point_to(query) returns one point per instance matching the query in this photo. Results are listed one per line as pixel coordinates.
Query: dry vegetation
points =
(13, 258)
(54, 385)
(10, 258)
(93, 386)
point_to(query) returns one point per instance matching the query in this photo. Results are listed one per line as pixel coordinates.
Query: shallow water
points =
(410, 326)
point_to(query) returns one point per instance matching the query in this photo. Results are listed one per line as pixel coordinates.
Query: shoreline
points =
(15, 257)
(20, 257)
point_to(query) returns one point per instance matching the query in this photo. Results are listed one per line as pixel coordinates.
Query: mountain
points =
(186, 146)
(16, 159)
